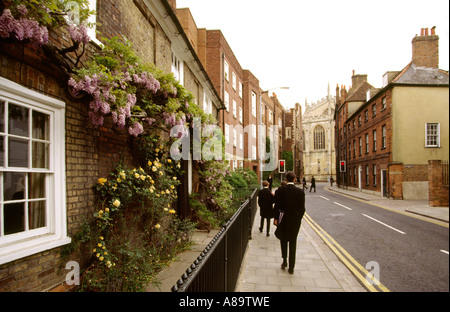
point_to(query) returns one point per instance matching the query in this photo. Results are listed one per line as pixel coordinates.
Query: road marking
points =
(324, 197)
(393, 228)
(357, 269)
(390, 209)
(343, 206)
(444, 251)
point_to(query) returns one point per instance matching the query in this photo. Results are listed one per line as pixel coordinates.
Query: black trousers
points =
(292, 245)
(261, 226)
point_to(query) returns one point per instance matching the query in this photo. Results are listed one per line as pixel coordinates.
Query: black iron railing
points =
(217, 268)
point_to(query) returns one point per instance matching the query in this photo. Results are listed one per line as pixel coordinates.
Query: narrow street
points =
(410, 253)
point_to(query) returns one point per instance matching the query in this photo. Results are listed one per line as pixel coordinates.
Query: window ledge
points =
(31, 246)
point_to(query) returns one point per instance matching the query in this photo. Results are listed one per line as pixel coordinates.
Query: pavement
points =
(318, 268)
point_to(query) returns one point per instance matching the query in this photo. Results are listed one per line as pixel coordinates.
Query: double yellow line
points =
(357, 269)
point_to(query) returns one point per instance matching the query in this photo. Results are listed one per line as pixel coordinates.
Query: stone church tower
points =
(318, 132)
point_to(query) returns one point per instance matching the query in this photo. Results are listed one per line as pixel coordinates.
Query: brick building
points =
(67, 153)
(241, 94)
(388, 136)
(293, 138)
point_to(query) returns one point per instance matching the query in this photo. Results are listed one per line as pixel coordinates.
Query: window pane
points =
(14, 215)
(14, 186)
(18, 153)
(41, 126)
(2, 116)
(36, 185)
(40, 155)
(36, 215)
(18, 120)
(2, 152)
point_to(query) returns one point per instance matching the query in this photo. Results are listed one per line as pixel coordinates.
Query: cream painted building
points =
(318, 133)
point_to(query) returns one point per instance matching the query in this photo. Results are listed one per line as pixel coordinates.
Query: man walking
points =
(265, 202)
(289, 211)
(313, 184)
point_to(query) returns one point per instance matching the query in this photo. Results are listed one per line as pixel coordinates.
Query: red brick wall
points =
(438, 194)
(41, 271)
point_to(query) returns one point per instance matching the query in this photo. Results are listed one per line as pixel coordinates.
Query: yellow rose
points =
(157, 226)
(116, 203)
(149, 163)
(101, 258)
(102, 181)
(172, 211)
(136, 175)
(169, 161)
(154, 168)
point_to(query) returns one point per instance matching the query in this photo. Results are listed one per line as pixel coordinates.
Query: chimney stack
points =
(425, 49)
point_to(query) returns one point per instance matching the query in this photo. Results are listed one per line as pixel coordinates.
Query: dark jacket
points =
(265, 202)
(290, 200)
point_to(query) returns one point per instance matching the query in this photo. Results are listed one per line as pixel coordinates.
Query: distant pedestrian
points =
(313, 184)
(304, 184)
(331, 181)
(265, 202)
(289, 211)
(270, 180)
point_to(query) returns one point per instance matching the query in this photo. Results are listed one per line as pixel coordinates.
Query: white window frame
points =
(240, 89)
(92, 31)
(227, 101)
(233, 80)
(254, 104)
(177, 67)
(23, 244)
(241, 141)
(234, 109)
(240, 114)
(437, 135)
(227, 133)
(226, 69)
(234, 138)
(254, 152)
(253, 130)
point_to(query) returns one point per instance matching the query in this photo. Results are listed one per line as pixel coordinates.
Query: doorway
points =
(384, 183)
(360, 178)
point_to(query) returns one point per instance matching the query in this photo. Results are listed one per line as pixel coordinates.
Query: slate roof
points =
(360, 93)
(412, 74)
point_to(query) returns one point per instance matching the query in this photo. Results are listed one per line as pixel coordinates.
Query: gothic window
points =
(319, 137)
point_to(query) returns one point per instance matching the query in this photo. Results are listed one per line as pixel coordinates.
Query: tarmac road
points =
(405, 253)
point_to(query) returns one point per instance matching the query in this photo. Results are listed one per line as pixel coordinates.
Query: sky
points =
(308, 45)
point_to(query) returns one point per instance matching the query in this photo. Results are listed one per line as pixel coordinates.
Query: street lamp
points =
(260, 135)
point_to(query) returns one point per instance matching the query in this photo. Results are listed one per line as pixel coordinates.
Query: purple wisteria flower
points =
(23, 28)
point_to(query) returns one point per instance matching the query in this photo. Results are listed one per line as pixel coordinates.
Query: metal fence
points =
(217, 268)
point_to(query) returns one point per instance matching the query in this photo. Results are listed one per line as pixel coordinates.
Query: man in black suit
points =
(265, 202)
(289, 211)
